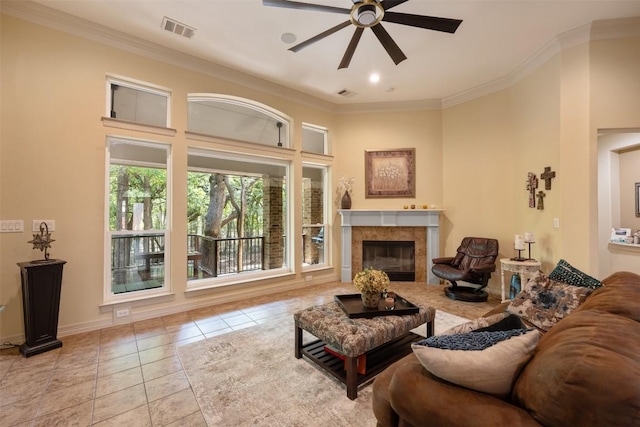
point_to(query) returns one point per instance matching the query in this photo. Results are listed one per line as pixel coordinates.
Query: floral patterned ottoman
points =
(383, 339)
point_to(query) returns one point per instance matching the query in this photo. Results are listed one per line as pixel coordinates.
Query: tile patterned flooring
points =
(131, 375)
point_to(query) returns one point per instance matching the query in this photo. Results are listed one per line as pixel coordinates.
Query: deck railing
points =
(206, 256)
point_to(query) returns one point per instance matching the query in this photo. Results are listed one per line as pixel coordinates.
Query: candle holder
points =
(530, 259)
(519, 257)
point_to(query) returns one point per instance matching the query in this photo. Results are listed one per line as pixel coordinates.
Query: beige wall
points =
(478, 174)
(471, 159)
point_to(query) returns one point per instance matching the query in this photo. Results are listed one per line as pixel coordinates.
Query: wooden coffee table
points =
(381, 339)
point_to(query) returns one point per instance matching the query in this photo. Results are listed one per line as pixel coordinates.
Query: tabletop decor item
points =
(345, 187)
(371, 283)
(43, 240)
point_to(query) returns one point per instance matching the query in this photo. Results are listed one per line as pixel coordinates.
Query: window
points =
(314, 227)
(138, 102)
(137, 218)
(238, 221)
(314, 139)
(237, 119)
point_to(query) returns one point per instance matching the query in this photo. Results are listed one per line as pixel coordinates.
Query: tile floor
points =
(131, 374)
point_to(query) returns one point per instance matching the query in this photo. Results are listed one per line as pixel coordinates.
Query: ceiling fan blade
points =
(445, 25)
(387, 42)
(320, 36)
(346, 59)
(388, 4)
(305, 6)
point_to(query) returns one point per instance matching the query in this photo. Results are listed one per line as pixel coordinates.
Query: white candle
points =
(519, 246)
(529, 238)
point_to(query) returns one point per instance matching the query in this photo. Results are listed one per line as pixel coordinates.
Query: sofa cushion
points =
(491, 370)
(543, 301)
(585, 372)
(566, 273)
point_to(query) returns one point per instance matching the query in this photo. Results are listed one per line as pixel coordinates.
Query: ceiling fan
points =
(369, 14)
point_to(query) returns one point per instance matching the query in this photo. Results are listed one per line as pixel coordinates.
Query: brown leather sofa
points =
(585, 372)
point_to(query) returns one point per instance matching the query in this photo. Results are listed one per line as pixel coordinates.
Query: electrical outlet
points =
(308, 278)
(556, 222)
(122, 313)
(51, 224)
(11, 226)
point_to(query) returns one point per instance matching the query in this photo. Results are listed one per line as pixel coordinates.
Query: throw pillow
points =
(544, 302)
(566, 273)
(491, 370)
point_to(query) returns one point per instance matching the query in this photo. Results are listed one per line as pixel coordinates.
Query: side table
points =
(528, 267)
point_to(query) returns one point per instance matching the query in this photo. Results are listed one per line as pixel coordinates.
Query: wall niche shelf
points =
(632, 246)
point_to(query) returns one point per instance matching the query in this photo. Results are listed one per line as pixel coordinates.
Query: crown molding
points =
(605, 29)
(597, 30)
(381, 107)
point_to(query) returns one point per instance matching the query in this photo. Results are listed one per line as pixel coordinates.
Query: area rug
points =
(251, 378)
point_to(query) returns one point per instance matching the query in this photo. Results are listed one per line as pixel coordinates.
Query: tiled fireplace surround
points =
(420, 226)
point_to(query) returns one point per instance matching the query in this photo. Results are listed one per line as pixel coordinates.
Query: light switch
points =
(12, 226)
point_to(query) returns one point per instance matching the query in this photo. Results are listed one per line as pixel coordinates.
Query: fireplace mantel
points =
(429, 218)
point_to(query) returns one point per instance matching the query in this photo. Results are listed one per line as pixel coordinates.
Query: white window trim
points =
(237, 279)
(109, 297)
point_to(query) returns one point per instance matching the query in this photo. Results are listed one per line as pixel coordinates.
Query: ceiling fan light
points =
(366, 15)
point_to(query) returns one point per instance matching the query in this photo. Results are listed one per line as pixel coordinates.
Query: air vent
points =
(178, 28)
(347, 93)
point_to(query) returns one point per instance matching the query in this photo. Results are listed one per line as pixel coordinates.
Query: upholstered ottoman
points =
(342, 341)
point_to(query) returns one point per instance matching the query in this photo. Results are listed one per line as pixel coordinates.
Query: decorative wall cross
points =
(547, 175)
(541, 196)
(532, 184)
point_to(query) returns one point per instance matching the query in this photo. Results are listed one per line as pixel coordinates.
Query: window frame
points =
(319, 129)
(289, 259)
(112, 79)
(326, 205)
(108, 296)
(249, 104)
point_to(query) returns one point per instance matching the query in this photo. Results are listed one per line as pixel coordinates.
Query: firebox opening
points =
(396, 258)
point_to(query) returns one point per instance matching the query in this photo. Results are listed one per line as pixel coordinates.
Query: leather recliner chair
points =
(474, 262)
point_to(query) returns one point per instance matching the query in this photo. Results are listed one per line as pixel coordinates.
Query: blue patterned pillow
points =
(471, 341)
(566, 273)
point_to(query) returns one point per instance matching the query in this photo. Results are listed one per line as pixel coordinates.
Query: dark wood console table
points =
(41, 284)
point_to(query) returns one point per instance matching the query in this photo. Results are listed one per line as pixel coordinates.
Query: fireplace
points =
(420, 226)
(396, 258)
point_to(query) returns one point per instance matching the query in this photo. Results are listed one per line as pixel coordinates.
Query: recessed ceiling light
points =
(374, 78)
(288, 38)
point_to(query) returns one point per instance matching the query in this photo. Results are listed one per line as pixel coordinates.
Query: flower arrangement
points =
(345, 185)
(371, 280)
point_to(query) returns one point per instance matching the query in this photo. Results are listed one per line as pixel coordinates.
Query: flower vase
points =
(371, 299)
(345, 203)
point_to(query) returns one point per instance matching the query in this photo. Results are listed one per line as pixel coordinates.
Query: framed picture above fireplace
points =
(390, 173)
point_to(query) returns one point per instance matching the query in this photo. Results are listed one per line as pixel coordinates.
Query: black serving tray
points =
(352, 306)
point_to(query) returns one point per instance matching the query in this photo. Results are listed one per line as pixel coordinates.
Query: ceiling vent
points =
(178, 28)
(347, 93)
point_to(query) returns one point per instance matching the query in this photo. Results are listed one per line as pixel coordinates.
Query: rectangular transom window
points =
(138, 103)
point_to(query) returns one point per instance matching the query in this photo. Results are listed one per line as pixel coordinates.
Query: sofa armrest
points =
(443, 260)
(419, 398)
